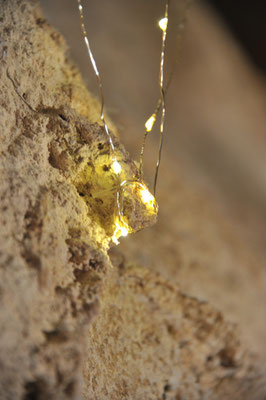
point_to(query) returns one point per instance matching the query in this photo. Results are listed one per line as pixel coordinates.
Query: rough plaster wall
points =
(47, 234)
(150, 340)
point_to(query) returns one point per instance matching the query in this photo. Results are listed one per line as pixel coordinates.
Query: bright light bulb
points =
(116, 167)
(147, 198)
(121, 229)
(163, 23)
(150, 122)
(115, 240)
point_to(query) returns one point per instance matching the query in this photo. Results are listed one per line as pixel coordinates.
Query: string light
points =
(163, 24)
(96, 71)
(121, 226)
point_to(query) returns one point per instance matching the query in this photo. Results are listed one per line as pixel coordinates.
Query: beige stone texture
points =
(175, 312)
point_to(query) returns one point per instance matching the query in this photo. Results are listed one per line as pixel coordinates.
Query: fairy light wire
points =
(99, 81)
(122, 228)
(163, 25)
(153, 118)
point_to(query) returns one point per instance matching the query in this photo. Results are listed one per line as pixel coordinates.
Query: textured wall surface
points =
(75, 323)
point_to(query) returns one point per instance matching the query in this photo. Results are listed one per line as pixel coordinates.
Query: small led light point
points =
(116, 167)
(150, 122)
(124, 231)
(147, 198)
(163, 23)
(121, 229)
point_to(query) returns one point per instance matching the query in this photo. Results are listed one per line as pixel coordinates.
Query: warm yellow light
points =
(121, 229)
(124, 231)
(150, 122)
(116, 167)
(163, 23)
(147, 198)
(115, 240)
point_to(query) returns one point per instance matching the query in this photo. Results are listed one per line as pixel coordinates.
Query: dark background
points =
(246, 19)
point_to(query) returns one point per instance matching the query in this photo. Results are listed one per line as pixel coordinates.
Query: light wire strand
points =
(169, 80)
(100, 89)
(155, 114)
(162, 98)
(96, 71)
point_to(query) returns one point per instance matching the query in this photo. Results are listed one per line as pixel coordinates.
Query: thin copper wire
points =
(96, 71)
(162, 93)
(99, 81)
(140, 174)
(155, 113)
(159, 103)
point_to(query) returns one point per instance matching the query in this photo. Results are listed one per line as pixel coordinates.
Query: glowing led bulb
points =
(147, 198)
(150, 122)
(116, 167)
(115, 240)
(121, 229)
(163, 23)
